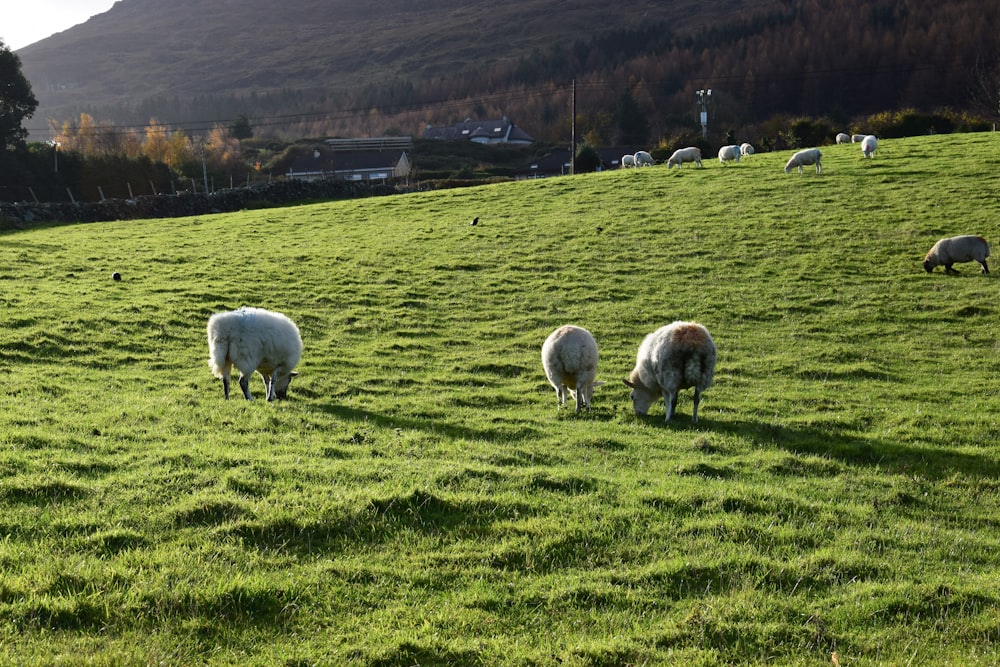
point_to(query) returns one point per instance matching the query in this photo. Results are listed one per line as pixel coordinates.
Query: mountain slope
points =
(149, 48)
(145, 47)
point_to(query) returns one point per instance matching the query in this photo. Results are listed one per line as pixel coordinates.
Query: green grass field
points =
(420, 500)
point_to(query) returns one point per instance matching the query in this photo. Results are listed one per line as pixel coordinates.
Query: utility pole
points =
(704, 96)
(572, 152)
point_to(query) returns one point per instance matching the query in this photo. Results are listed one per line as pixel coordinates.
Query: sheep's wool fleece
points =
(685, 349)
(266, 335)
(569, 351)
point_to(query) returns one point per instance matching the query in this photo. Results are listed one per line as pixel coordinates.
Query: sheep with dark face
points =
(677, 356)
(569, 357)
(966, 248)
(254, 339)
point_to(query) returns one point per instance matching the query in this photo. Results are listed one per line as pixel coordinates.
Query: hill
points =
(313, 68)
(145, 50)
(421, 500)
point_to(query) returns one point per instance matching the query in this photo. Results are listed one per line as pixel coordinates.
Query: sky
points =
(24, 22)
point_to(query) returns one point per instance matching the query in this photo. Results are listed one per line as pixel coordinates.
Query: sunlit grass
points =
(421, 500)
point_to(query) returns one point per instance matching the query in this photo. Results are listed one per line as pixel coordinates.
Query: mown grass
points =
(421, 500)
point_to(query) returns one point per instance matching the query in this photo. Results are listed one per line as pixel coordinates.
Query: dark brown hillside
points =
(343, 67)
(148, 48)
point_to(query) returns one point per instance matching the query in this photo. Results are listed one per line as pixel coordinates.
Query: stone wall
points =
(23, 214)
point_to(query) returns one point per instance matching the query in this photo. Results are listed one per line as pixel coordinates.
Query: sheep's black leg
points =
(225, 386)
(697, 399)
(670, 402)
(948, 269)
(245, 386)
(986, 269)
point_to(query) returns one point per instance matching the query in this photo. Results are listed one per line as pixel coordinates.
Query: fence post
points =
(71, 197)
(100, 191)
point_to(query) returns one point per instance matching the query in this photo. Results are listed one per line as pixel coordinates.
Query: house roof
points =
(491, 130)
(337, 161)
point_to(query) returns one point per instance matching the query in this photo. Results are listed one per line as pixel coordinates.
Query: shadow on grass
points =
(856, 450)
(513, 434)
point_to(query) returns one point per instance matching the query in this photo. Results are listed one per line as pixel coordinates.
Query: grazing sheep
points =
(858, 138)
(674, 357)
(965, 248)
(843, 138)
(869, 145)
(569, 356)
(628, 161)
(254, 339)
(729, 154)
(644, 159)
(804, 157)
(682, 155)
(746, 149)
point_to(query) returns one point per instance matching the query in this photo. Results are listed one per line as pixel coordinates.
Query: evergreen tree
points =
(631, 126)
(17, 102)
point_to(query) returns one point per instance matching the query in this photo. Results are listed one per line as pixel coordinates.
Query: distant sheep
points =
(967, 248)
(869, 145)
(858, 138)
(729, 154)
(674, 357)
(254, 339)
(644, 159)
(628, 161)
(682, 155)
(746, 149)
(804, 157)
(843, 138)
(569, 356)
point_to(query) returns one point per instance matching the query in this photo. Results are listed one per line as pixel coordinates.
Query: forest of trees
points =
(835, 59)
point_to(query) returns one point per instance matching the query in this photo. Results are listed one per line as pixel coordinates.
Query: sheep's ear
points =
(293, 374)
(628, 384)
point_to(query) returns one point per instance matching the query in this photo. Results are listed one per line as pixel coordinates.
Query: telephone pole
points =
(572, 150)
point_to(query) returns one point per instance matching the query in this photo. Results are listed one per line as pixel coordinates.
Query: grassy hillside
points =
(420, 500)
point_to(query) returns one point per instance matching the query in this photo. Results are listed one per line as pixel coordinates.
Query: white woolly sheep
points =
(804, 157)
(254, 339)
(729, 154)
(966, 248)
(843, 138)
(869, 145)
(746, 149)
(682, 155)
(628, 161)
(858, 138)
(674, 357)
(569, 356)
(644, 159)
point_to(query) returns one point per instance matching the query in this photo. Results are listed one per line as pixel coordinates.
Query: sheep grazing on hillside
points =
(858, 138)
(569, 356)
(869, 145)
(729, 154)
(804, 157)
(674, 357)
(682, 155)
(746, 149)
(254, 339)
(843, 138)
(644, 159)
(628, 161)
(966, 248)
